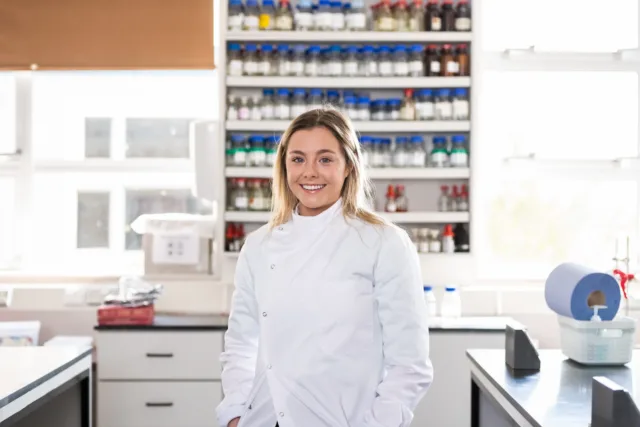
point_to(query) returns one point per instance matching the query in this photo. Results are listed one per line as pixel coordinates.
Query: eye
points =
(325, 160)
(297, 159)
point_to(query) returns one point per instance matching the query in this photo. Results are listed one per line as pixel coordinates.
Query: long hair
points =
(356, 188)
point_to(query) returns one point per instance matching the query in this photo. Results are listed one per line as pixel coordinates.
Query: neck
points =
(306, 211)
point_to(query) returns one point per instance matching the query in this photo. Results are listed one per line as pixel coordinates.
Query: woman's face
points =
(316, 169)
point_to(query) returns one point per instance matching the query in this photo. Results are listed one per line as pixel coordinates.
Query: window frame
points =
(488, 269)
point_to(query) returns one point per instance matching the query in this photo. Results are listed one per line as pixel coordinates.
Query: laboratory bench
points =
(559, 395)
(42, 385)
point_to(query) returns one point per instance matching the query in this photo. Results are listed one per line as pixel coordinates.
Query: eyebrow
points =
(323, 151)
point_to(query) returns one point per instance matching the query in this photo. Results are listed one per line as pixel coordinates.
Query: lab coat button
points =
(268, 366)
(273, 266)
(280, 228)
(282, 414)
(264, 314)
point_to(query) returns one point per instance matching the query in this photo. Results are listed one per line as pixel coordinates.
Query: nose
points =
(310, 170)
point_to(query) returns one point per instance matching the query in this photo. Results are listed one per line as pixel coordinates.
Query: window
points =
(104, 148)
(557, 162)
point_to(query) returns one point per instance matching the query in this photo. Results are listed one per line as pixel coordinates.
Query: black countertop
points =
(219, 323)
(560, 394)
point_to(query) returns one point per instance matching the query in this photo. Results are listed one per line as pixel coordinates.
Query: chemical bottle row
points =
(450, 306)
(234, 237)
(407, 151)
(249, 194)
(456, 200)
(328, 15)
(350, 61)
(416, 105)
(450, 240)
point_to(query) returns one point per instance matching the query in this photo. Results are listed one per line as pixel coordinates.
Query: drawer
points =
(171, 355)
(158, 404)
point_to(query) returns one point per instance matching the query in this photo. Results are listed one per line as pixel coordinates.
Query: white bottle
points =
(430, 299)
(451, 306)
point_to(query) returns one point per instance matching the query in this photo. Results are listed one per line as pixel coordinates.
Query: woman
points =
(328, 325)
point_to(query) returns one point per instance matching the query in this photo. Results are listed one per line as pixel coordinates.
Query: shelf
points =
(399, 218)
(349, 36)
(349, 82)
(378, 173)
(373, 126)
(423, 256)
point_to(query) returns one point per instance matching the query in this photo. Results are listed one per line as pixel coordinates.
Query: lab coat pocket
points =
(252, 397)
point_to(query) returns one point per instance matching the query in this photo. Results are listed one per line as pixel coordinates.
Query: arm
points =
(241, 345)
(405, 332)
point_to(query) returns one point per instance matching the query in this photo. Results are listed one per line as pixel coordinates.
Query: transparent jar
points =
(425, 107)
(439, 157)
(408, 106)
(267, 106)
(284, 16)
(356, 16)
(351, 65)
(271, 145)
(392, 110)
(350, 107)
(233, 105)
(239, 147)
(243, 110)
(315, 99)
(401, 16)
(251, 18)
(363, 106)
(416, 16)
(284, 60)
(387, 160)
(377, 153)
(283, 107)
(400, 61)
(255, 111)
(303, 19)
(366, 144)
(443, 105)
(368, 62)
(267, 63)
(335, 61)
(385, 64)
(250, 60)
(298, 103)
(416, 62)
(236, 16)
(323, 16)
(418, 152)
(324, 62)
(378, 110)
(460, 104)
(333, 99)
(238, 196)
(234, 67)
(257, 196)
(267, 15)
(297, 63)
(257, 154)
(337, 16)
(459, 157)
(384, 17)
(313, 63)
(401, 152)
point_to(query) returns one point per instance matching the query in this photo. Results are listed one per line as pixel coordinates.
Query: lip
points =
(312, 191)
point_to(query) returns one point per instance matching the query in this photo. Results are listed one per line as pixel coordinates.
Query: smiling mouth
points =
(312, 188)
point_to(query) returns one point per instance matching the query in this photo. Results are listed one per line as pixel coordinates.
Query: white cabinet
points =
(158, 378)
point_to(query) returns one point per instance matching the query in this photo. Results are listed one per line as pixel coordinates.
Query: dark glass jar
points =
(463, 16)
(448, 16)
(433, 16)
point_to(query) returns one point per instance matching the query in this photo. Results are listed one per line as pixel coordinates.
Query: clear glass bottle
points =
(298, 103)
(387, 160)
(459, 157)
(234, 66)
(257, 197)
(296, 67)
(257, 154)
(416, 63)
(439, 157)
(335, 61)
(312, 64)
(283, 107)
(408, 106)
(378, 108)
(460, 104)
(251, 18)
(337, 16)
(400, 152)
(333, 98)
(416, 16)
(384, 16)
(315, 99)
(236, 16)
(350, 107)
(284, 16)
(239, 147)
(267, 64)
(366, 144)
(356, 18)
(267, 105)
(284, 60)
(392, 111)
(271, 144)
(401, 16)
(323, 16)
(369, 63)
(385, 64)
(377, 155)
(250, 60)
(244, 112)
(255, 113)
(425, 107)
(443, 199)
(402, 201)
(418, 152)
(363, 106)
(443, 105)
(351, 64)
(267, 15)
(400, 61)
(233, 105)
(303, 19)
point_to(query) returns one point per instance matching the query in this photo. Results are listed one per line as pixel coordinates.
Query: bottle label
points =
(235, 22)
(386, 68)
(438, 158)
(372, 68)
(444, 110)
(335, 68)
(351, 68)
(453, 67)
(425, 110)
(283, 112)
(232, 113)
(243, 114)
(435, 246)
(251, 68)
(435, 67)
(401, 68)
(357, 21)
(265, 21)
(284, 23)
(256, 114)
(304, 20)
(337, 21)
(311, 68)
(240, 157)
(386, 24)
(460, 109)
(267, 111)
(436, 23)
(251, 23)
(242, 202)
(419, 158)
(264, 68)
(423, 246)
(416, 67)
(297, 68)
(296, 110)
(463, 24)
(459, 159)
(257, 157)
(235, 67)
(284, 67)
(400, 159)
(271, 158)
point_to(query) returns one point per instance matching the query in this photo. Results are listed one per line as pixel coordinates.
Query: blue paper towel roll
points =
(569, 285)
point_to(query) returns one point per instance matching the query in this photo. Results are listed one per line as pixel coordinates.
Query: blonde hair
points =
(356, 188)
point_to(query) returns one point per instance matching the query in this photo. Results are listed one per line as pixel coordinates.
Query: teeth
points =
(312, 187)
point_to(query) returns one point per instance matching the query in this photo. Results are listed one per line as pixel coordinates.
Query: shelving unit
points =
(423, 184)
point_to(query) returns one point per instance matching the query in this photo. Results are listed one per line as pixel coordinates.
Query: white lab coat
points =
(328, 327)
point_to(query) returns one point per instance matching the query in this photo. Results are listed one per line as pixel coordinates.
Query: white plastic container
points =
(451, 306)
(430, 299)
(598, 343)
(19, 334)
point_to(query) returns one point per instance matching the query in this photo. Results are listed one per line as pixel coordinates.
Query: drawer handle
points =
(165, 355)
(159, 404)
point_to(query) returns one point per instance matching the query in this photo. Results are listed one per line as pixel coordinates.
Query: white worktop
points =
(25, 368)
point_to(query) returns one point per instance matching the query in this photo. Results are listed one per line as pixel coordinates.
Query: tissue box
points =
(598, 343)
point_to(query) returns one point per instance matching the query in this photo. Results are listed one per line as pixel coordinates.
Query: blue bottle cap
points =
(256, 138)
(445, 92)
(283, 92)
(426, 92)
(417, 139)
(402, 140)
(439, 140)
(237, 138)
(460, 92)
(234, 46)
(450, 289)
(366, 140)
(363, 100)
(427, 288)
(299, 91)
(417, 48)
(350, 99)
(457, 139)
(315, 92)
(283, 48)
(251, 47)
(266, 48)
(267, 92)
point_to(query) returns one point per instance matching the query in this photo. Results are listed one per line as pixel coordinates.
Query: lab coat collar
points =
(319, 220)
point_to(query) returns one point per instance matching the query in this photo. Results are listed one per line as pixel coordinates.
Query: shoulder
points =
(385, 237)
(254, 240)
